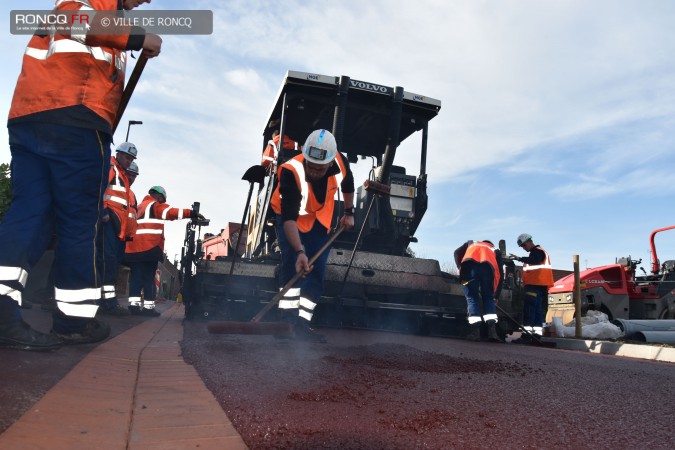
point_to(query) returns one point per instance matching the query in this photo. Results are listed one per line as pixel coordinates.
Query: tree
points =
(5, 189)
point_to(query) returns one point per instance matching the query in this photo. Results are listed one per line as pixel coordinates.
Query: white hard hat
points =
(133, 168)
(320, 147)
(128, 148)
(523, 238)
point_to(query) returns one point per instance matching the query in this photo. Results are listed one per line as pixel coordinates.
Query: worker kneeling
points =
(304, 200)
(480, 271)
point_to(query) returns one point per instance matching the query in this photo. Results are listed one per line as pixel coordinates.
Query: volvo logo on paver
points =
(369, 86)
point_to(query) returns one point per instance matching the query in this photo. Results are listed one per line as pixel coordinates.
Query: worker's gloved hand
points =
(513, 257)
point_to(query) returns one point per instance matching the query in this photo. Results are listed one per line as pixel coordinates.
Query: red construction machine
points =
(618, 291)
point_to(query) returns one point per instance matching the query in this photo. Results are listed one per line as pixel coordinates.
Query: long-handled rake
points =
(255, 326)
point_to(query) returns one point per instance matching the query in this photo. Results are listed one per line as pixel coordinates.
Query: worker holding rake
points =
(304, 202)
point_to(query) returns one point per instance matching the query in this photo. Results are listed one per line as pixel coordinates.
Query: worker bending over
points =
(304, 201)
(480, 271)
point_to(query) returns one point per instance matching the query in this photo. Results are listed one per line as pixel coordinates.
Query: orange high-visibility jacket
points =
(117, 196)
(311, 208)
(271, 151)
(538, 274)
(150, 230)
(483, 252)
(83, 69)
(132, 224)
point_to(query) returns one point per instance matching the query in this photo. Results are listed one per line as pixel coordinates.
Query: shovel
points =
(534, 337)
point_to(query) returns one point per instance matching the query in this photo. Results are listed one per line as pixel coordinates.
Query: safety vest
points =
(60, 71)
(311, 208)
(151, 218)
(272, 150)
(483, 252)
(132, 224)
(117, 196)
(538, 274)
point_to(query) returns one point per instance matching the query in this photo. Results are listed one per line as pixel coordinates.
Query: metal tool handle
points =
(296, 277)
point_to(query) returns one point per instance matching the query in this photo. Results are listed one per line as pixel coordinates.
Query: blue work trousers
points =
(479, 291)
(142, 277)
(59, 174)
(312, 285)
(533, 298)
(111, 256)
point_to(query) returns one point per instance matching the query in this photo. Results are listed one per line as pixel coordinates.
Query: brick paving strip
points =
(131, 392)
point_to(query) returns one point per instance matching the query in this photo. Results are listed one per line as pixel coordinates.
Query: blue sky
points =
(557, 117)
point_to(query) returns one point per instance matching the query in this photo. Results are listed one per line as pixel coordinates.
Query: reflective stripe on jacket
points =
(538, 274)
(81, 69)
(151, 218)
(132, 223)
(311, 208)
(481, 252)
(117, 196)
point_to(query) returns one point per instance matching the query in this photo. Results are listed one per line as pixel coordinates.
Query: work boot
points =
(492, 333)
(474, 334)
(94, 330)
(135, 310)
(17, 334)
(20, 336)
(303, 332)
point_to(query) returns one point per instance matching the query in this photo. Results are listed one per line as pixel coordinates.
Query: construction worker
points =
(132, 173)
(537, 278)
(271, 152)
(60, 130)
(147, 248)
(480, 271)
(117, 217)
(304, 201)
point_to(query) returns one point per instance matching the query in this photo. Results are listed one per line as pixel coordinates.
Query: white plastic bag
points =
(599, 330)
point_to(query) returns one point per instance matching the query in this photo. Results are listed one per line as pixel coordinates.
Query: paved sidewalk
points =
(131, 392)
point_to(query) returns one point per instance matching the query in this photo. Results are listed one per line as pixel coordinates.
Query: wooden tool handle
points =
(129, 89)
(296, 277)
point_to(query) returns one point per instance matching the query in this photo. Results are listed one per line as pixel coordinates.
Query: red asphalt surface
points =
(165, 383)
